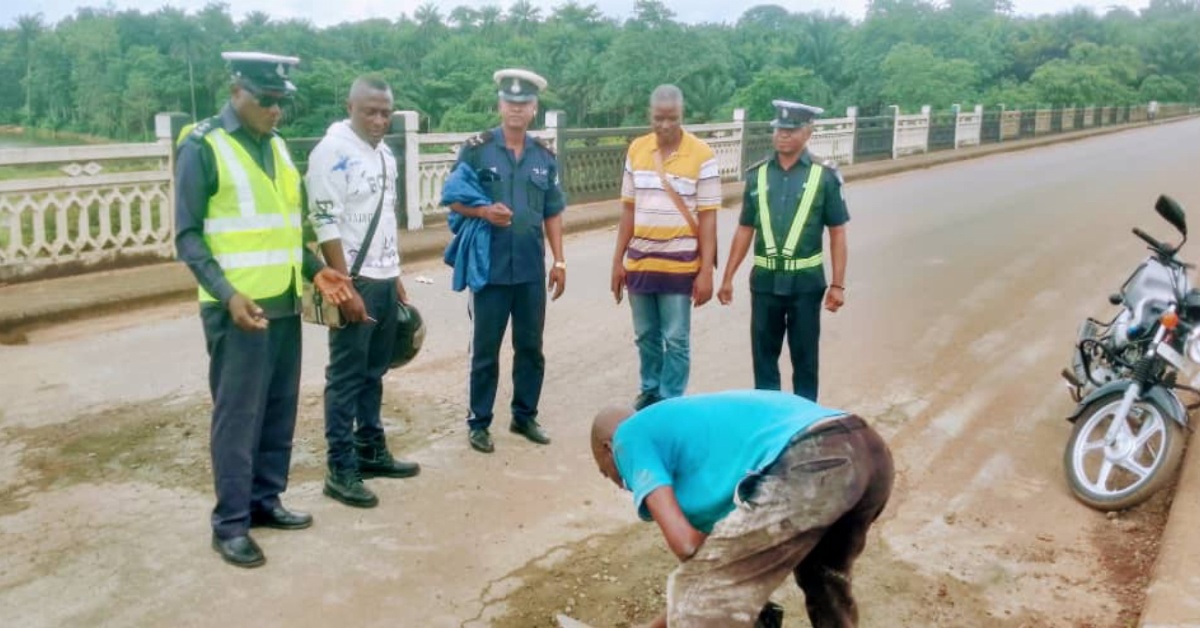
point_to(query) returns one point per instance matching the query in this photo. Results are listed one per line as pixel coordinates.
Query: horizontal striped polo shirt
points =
(663, 256)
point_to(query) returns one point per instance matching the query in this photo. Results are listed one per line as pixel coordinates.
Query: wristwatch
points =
(560, 264)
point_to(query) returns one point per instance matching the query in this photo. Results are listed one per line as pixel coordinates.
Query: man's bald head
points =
(603, 427)
(606, 422)
(370, 106)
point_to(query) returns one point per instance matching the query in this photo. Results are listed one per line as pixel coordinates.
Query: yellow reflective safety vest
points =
(253, 222)
(783, 258)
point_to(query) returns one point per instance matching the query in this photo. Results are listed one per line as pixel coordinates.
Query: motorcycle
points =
(1129, 421)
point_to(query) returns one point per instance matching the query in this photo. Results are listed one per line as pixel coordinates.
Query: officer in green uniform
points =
(238, 229)
(789, 201)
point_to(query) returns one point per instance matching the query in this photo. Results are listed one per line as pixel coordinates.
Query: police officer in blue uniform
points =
(238, 230)
(789, 201)
(520, 175)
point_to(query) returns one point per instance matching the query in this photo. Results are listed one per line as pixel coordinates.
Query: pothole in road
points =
(618, 580)
(166, 443)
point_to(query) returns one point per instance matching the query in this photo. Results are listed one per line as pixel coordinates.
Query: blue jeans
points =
(663, 326)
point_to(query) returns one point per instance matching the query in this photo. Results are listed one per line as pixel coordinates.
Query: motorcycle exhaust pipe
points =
(1074, 386)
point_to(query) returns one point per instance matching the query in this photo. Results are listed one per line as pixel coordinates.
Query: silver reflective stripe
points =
(241, 179)
(281, 148)
(250, 223)
(229, 261)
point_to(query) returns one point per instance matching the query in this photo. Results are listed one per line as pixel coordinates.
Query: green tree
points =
(1164, 89)
(914, 76)
(798, 84)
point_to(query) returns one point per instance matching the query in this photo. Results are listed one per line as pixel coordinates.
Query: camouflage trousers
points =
(807, 514)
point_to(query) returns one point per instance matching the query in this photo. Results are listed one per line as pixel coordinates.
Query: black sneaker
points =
(481, 440)
(347, 487)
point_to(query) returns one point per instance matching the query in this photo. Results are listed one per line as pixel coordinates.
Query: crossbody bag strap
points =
(362, 254)
(675, 198)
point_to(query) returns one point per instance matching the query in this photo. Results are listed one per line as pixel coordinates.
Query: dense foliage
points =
(107, 72)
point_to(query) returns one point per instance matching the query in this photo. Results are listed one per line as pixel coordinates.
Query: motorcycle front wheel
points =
(1125, 470)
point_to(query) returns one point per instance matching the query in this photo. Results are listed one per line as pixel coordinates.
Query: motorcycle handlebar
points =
(1149, 239)
(1166, 252)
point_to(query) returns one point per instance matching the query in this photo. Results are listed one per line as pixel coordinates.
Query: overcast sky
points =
(323, 13)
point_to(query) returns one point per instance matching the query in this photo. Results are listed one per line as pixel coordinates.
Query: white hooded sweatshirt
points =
(344, 181)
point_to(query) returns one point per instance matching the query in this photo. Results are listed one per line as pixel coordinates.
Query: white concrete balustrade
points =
(73, 208)
(968, 128)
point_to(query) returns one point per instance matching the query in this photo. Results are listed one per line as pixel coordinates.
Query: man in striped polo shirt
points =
(666, 243)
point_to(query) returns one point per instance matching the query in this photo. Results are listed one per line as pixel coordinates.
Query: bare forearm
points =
(708, 238)
(554, 233)
(624, 232)
(742, 239)
(335, 257)
(469, 212)
(838, 252)
(684, 541)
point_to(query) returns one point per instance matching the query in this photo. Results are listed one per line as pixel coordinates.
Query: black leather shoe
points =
(280, 518)
(347, 487)
(481, 440)
(530, 430)
(240, 551)
(374, 460)
(645, 400)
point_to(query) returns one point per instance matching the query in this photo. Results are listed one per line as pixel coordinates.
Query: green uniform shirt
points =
(784, 188)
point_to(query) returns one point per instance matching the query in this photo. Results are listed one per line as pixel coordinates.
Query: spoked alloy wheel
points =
(1121, 470)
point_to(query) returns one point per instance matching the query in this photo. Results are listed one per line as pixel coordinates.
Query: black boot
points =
(374, 460)
(346, 486)
(770, 617)
(645, 400)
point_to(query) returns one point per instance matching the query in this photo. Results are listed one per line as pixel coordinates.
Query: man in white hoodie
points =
(352, 177)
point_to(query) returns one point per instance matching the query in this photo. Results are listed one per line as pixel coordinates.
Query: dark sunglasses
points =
(266, 101)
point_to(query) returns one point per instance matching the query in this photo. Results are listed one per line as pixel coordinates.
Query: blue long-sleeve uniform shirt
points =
(530, 187)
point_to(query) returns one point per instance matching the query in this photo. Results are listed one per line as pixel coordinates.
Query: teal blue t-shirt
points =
(704, 445)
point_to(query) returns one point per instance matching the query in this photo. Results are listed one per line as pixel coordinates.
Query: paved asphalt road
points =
(965, 287)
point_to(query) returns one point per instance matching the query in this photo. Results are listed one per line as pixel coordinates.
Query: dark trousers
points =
(799, 316)
(490, 310)
(359, 355)
(254, 378)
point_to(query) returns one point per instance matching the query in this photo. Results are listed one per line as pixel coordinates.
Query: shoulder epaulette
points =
(478, 140)
(832, 166)
(758, 163)
(203, 127)
(544, 144)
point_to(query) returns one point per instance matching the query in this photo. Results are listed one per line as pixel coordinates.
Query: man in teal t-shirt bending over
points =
(748, 486)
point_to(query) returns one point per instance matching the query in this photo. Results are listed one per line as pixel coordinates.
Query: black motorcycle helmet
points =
(410, 335)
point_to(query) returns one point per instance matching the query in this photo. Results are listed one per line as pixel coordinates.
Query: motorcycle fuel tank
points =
(1150, 290)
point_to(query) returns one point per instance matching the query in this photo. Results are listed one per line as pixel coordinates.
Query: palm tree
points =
(465, 18)
(428, 17)
(183, 35)
(29, 28)
(489, 19)
(523, 16)
(574, 14)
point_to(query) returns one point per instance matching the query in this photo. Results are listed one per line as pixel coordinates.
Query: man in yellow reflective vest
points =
(238, 228)
(789, 202)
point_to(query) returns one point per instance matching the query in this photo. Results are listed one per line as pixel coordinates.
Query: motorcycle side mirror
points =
(1172, 213)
